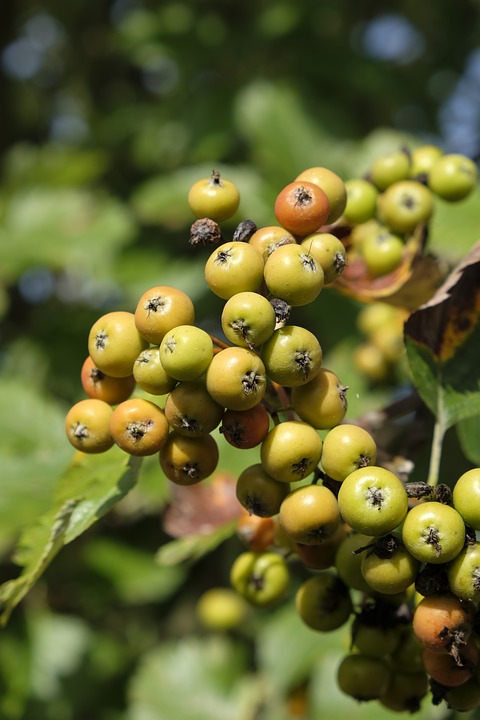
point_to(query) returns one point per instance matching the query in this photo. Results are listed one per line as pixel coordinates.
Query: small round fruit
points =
(234, 267)
(220, 608)
(463, 573)
(186, 352)
(405, 691)
(372, 500)
(309, 514)
(329, 252)
(160, 309)
(259, 493)
(447, 671)
(348, 561)
(323, 602)
(362, 677)
(186, 460)
(301, 207)
(389, 575)
(433, 532)
(150, 374)
(245, 429)
(139, 427)
(248, 319)
(291, 451)
(256, 533)
(215, 197)
(382, 252)
(114, 343)
(292, 356)
(104, 387)
(236, 378)
(322, 402)
(261, 578)
(267, 238)
(322, 555)
(191, 410)
(404, 205)
(333, 187)
(453, 177)
(441, 620)
(292, 274)
(389, 168)
(464, 697)
(466, 497)
(375, 640)
(346, 448)
(361, 201)
(87, 425)
(370, 361)
(423, 159)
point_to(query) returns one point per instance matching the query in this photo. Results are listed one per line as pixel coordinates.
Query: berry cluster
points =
(396, 197)
(398, 561)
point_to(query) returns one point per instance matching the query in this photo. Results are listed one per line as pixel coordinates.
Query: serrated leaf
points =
(96, 483)
(86, 491)
(468, 431)
(44, 542)
(193, 547)
(194, 678)
(443, 345)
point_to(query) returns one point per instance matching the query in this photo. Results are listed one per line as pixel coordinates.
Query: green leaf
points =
(194, 678)
(86, 491)
(96, 483)
(44, 541)
(193, 547)
(468, 431)
(443, 339)
(63, 227)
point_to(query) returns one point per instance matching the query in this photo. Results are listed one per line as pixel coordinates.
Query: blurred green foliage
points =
(110, 110)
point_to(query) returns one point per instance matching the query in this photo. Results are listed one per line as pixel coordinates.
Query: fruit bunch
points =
(394, 201)
(396, 561)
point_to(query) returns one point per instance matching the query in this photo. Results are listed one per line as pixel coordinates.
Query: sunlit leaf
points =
(85, 493)
(443, 345)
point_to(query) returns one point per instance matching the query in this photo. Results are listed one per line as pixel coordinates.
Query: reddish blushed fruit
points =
(245, 429)
(440, 619)
(256, 533)
(104, 387)
(139, 427)
(301, 207)
(446, 670)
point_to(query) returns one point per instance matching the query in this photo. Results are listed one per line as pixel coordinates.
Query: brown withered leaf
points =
(202, 508)
(442, 339)
(408, 286)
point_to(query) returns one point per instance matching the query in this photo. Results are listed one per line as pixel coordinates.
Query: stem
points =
(436, 453)
(219, 343)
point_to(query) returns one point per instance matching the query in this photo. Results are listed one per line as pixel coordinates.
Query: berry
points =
(373, 500)
(261, 578)
(104, 387)
(186, 352)
(322, 401)
(236, 378)
(309, 514)
(301, 207)
(188, 460)
(248, 319)
(323, 602)
(139, 427)
(291, 451)
(114, 343)
(333, 187)
(346, 448)
(259, 493)
(292, 274)
(292, 356)
(245, 428)
(87, 426)
(233, 268)
(215, 197)
(433, 532)
(453, 177)
(160, 309)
